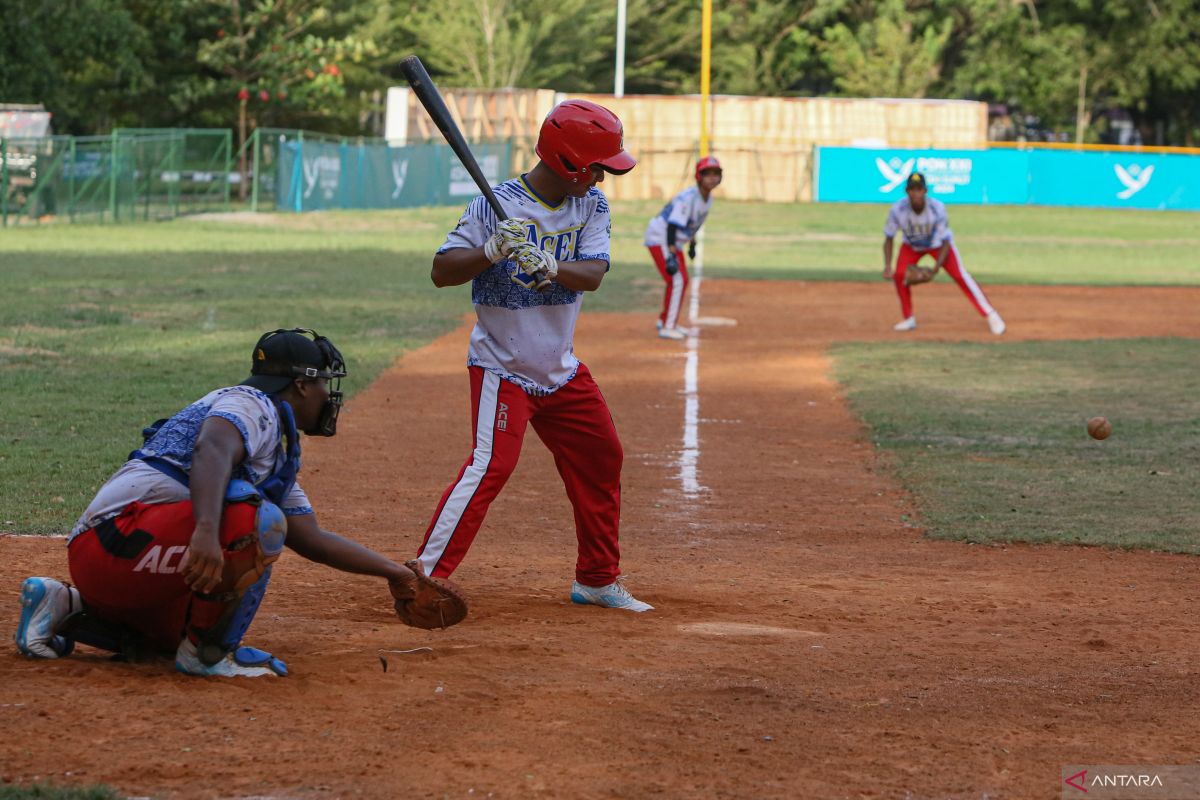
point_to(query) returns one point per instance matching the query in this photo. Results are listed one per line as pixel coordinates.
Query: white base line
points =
(689, 459)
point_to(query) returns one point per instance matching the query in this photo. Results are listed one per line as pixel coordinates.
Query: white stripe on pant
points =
(464, 490)
(676, 300)
(971, 285)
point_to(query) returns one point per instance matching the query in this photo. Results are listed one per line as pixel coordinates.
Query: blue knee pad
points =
(270, 532)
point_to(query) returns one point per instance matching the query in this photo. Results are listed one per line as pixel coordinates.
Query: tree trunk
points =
(1081, 115)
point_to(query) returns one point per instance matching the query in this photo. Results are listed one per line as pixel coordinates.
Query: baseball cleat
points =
(995, 323)
(614, 595)
(909, 324)
(658, 326)
(671, 333)
(45, 603)
(244, 662)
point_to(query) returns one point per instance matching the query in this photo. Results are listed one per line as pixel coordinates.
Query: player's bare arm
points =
(308, 539)
(581, 276)
(458, 266)
(888, 244)
(218, 449)
(943, 253)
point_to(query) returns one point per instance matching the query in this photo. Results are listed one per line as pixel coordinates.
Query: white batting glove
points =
(535, 267)
(509, 234)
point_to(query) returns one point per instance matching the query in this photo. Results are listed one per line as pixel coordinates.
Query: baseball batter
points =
(672, 228)
(521, 359)
(175, 551)
(927, 232)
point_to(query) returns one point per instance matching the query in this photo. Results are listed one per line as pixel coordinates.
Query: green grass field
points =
(992, 441)
(107, 328)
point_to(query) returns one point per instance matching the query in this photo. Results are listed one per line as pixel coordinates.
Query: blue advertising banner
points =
(850, 174)
(314, 175)
(1114, 180)
(1035, 177)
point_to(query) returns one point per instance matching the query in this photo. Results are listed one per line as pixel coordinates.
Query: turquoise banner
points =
(1114, 180)
(1034, 177)
(850, 174)
(315, 175)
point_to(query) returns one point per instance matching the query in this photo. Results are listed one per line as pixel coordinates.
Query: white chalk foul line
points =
(689, 459)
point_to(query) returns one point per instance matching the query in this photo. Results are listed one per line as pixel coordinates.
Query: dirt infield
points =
(807, 642)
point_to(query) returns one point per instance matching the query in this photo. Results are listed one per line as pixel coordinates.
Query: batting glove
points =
(535, 267)
(672, 262)
(510, 233)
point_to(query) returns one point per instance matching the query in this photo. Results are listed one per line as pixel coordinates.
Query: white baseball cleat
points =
(244, 662)
(45, 603)
(614, 595)
(671, 333)
(909, 324)
(995, 323)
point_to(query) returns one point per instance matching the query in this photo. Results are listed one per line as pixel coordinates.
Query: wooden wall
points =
(764, 143)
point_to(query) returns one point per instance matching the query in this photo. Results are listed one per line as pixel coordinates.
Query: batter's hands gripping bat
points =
(422, 85)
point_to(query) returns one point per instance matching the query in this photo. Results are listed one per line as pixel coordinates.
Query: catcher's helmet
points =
(577, 134)
(708, 162)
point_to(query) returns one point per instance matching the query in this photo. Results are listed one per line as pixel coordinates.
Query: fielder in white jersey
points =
(926, 228)
(672, 228)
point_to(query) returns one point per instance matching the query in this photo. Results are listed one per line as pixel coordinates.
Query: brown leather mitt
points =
(917, 275)
(428, 603)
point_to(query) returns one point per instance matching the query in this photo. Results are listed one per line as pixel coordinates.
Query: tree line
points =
(1092, 69)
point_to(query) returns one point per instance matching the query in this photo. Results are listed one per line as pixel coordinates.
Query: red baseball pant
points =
(676, 284)
(127, 569)
(954, 268)
(576, 426)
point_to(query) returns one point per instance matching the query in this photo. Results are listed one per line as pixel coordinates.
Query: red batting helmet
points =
(578, 134)
(708, 162)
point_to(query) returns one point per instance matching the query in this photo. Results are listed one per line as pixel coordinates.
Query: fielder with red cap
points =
(672, 228)
(521, 359)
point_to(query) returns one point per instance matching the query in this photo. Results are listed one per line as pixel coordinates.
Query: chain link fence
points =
(129, 175)
(141, 174)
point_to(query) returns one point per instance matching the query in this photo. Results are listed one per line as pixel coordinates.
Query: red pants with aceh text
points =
(575, 424)
(127, 569)
(676, 284)
(909, 255)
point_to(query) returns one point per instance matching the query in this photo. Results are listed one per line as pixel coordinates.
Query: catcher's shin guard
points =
(236, 599)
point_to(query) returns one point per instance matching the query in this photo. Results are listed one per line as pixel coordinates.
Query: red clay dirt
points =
(807, 644)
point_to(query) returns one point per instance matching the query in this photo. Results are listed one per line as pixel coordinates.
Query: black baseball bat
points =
(418, 78)
(414, 72)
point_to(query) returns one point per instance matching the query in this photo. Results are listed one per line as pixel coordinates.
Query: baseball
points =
(1099, 428)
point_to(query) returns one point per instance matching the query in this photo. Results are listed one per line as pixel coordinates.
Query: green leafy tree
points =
(495, 44)
(891, 55)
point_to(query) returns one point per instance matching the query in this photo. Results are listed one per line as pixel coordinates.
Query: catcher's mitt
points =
(917, 275)
(428, 603)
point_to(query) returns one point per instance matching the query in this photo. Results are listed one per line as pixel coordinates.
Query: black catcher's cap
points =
(916, 181)
(281, 357)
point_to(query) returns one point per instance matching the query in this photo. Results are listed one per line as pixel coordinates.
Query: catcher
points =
(927, 232)
(174, 553)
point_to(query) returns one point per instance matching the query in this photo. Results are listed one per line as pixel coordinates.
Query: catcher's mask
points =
(286, 354)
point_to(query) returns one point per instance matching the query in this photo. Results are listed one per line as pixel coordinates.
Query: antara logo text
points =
(1124, 781)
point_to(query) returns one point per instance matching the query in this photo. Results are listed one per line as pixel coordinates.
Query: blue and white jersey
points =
(686, 211)
(928, 230)
(525, 336)
(250, 411)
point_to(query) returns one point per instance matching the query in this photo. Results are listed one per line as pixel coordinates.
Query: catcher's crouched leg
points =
(219, 619)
